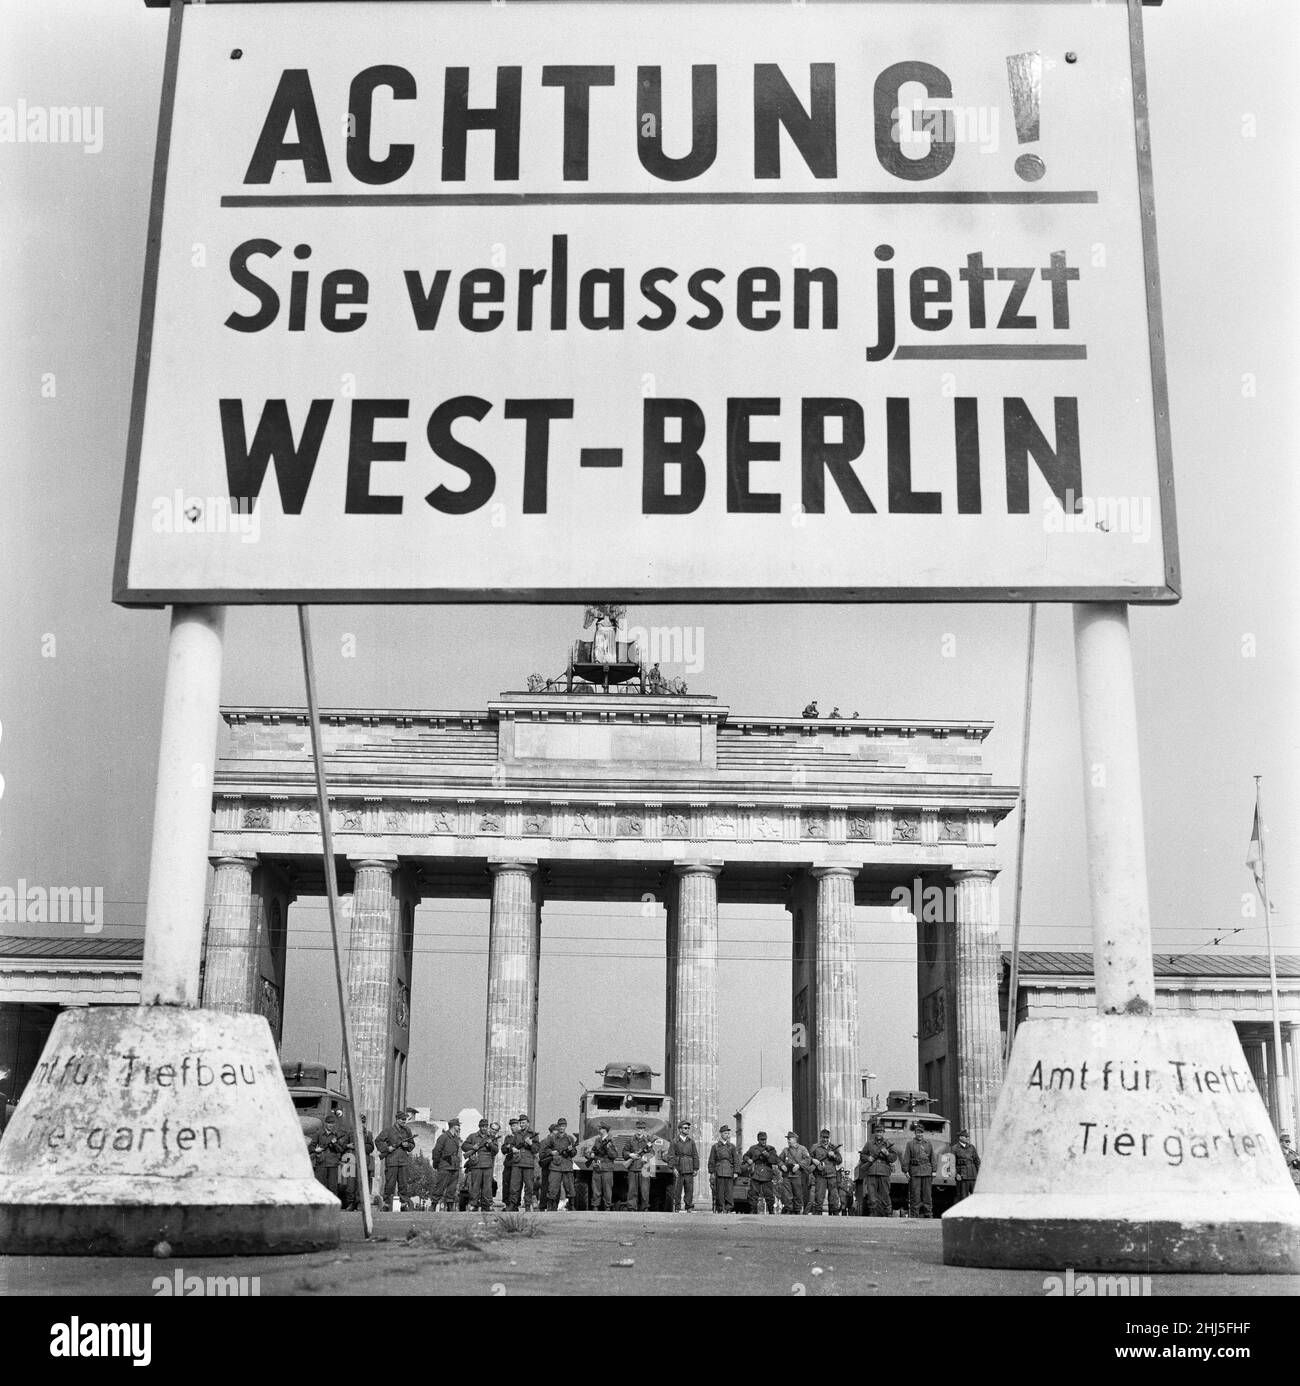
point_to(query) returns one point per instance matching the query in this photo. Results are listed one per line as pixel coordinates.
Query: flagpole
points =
(1276, 1066)
(1013, 981)
(332, 897)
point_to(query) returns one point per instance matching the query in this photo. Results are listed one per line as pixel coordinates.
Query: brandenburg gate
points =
(619, 796)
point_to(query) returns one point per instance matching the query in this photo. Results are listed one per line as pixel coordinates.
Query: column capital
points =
(973, 873)
(387, 863)
(524, 864)
(248, 859)
(697, 868)
(834, 869)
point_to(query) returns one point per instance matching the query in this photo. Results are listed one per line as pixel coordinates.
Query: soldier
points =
(331, 1144)
(544, 1165)
(480, 1151)
(918, 1165)
(722, 1171)
(395, 1144)
(967, 1160)
(683, 1160)
(603, 1154)
(761, 1159)
(798, 1165)
(523, 1145)
(878, 1158)
(507, 1157)
(640, 1155)
(563, 1148)
(847, 1201)
(446, 1166)
(316, 1150)
(348, 1174)
(826, 1160)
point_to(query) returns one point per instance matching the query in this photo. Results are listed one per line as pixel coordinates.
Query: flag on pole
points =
(1255, 854)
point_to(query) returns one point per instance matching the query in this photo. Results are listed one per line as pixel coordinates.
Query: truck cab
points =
(902, 1108)
(314, 1098)
(627, 1098)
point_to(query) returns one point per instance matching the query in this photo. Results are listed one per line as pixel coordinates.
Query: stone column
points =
(232, 954)
(372, 968)
(1288, 1035)
(512, 991)
(977, 965)
(835, 1041)
(693, 982)
(670, 987)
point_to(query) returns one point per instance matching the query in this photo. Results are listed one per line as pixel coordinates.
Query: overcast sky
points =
(81, 680)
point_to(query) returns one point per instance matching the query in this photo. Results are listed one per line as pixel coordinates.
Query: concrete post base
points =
(1129, 1143)
(149, 1124)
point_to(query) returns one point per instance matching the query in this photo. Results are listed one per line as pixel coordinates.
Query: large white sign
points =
(752, 301)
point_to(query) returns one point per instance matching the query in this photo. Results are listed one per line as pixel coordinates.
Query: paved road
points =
(603, 1253)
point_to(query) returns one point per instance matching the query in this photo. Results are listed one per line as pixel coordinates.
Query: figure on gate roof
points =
(606, 616)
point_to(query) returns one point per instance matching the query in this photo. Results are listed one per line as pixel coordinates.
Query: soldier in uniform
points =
(544, 1165)
(722, 1171)
(826, 1160)
(761, 1159)
(480, 1152)
(316, 1150)
(640, 1152)
(603, 1154)
(918, 1165)
(446, 1166)
(330, 1142)
(798, 1165)
(395, 1144)
(967, 1160)
(507, 1159)
(522, 1144)
(348, 1174)
(878, 1158)
(683, 1160)
(562, 1148)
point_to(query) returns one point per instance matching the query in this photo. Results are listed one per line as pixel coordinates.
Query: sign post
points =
(683, 301)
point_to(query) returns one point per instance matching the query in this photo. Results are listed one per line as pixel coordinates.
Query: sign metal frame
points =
(1170, 592)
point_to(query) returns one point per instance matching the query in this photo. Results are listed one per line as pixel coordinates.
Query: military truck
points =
(625, 1096)
(313, 1097)
(894, 1122)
